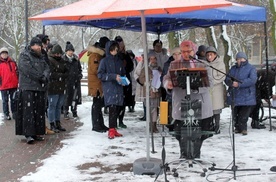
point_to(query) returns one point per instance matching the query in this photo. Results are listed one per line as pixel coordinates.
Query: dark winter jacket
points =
(58, 76)
(128, 101)
(245, 93)
(109, 68)
(33, 71)
(73, 86)
(264, 84)
(8, 74)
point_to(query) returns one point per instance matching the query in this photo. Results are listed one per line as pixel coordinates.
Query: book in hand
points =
(124, 81)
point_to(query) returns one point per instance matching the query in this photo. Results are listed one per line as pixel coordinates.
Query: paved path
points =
(17, 158)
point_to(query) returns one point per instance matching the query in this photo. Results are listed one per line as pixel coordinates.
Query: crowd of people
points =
(45, 83)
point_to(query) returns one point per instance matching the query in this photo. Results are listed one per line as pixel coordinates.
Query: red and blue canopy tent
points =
(155, 16)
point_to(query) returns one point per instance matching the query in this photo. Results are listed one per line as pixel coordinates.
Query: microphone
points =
(191, 57)
(198, 60)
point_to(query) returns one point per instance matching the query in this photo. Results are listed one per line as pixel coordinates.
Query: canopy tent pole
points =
(146, 165)
(266, 58)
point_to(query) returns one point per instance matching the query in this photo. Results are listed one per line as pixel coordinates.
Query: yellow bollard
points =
(164, 106)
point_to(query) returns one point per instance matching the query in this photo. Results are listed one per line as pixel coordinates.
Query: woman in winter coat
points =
(8, 82)
(154, 92)
(123, 55)
(201, 95)
(217, 90)
(73, 85)
(59, 73)
(110, 71)
(96, 53)
(241, 94)
(139, 95)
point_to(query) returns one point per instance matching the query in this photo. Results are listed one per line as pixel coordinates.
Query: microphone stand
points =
(232, 78)
(234, 167)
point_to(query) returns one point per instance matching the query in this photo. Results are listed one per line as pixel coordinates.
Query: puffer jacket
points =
(33, 71)
(59, 73)
(8, 74)
(245, 93)
(109, 68)
(95, 55)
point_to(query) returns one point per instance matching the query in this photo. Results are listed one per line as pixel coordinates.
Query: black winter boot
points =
(255, 124)
(59, 127)
(53, 127)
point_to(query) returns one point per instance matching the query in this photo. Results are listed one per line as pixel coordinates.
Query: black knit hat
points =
(103, 41)
(35, 40)
(69, 47)
(56, 49)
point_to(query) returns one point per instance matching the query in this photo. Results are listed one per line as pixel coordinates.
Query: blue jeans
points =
(54, 107)
(6, 96)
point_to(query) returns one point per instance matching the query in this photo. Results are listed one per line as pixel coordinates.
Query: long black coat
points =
(73, 85)
(33, 76)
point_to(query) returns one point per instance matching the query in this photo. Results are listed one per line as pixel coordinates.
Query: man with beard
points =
(33, 80)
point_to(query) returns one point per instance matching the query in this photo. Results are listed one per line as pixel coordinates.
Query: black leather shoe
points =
(105, 128)
(142, 118)
(30, 140)
(38, 138)
(99, 130)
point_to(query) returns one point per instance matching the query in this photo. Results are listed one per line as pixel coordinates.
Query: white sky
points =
(84, 147)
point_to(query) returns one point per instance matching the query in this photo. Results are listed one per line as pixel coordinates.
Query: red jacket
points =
(8, 74)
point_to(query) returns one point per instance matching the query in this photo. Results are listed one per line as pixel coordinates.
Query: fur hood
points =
(93, 49)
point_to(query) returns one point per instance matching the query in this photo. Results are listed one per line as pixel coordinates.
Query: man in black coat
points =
(33, 81)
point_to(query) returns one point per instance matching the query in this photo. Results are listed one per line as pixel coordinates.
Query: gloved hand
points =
(43, 80)
(80, 76)
(139, 82)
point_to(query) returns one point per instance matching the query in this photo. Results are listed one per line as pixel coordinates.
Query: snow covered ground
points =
(91, 156)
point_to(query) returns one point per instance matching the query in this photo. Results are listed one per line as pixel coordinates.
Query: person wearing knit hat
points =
(69, 47)
(241, 55)
(33, 83)
(217, 89)
(4, 50)
(56, 49)
(35, 41)
(9, 83)
(59, 73)
(241, 94)
(73, 89)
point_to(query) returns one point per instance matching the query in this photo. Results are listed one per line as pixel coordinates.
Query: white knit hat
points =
(4, 49)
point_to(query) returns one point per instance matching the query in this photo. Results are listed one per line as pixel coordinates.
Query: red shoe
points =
(117, 134)
(111, 133)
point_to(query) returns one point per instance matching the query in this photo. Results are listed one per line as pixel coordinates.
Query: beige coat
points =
(139, 94)
(218, 89)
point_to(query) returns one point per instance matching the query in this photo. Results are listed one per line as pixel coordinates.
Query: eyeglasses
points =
(176, 54)
(189, 51)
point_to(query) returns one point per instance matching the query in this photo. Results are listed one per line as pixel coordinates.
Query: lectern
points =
(190, 132)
